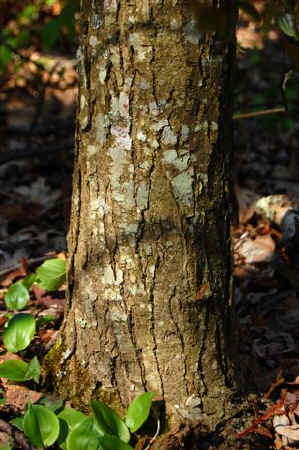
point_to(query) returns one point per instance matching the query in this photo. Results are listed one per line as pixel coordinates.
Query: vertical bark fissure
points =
(180, 334)
(152, 325)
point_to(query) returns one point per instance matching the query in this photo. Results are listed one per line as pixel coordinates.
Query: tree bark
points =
(149, 267)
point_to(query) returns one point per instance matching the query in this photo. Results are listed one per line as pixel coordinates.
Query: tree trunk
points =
(149, 268)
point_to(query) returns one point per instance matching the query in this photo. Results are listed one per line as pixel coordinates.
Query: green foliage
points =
(51, 274)
(18, 422)
(138, 411)
(108, 442)
(17, 296)
(287, 25)
(84, 436)
(18, 370)
(19, 332)
(41, 425)
(109, 422)
(27, 28)
(73, 430)
(5, 447)
(53, 29)
(29, 280)
(69, 418)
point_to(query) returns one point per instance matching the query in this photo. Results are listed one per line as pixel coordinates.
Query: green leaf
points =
(51, 274)
(22, 38)
(33, 370)
(29, 280)
(18, 422)
(14, 370)
(17, 296)
(55, 404)
(72, 417)
(109, 421)
(28, 13)
(18, 370)
(41, 426)
(42, 321)
(69, 418)
(84, 437)
(287, 24)
(138, 411)
(19, 332)
(5, 447)
(5, 57)
(50, 32)
(113, 443)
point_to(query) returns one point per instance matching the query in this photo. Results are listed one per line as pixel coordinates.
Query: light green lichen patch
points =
(93, 41)
(108, 276)
(142, 195)
(168, 136)
(183, 188)
(192, 34)
(141, 136)
(81, 322)
(118, 315)
(91, 150)
(179, 162)
(185, 133)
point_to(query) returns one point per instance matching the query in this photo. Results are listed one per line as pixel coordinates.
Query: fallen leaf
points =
(260, 249)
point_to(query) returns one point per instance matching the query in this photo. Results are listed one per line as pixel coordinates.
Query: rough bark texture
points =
(150, 214)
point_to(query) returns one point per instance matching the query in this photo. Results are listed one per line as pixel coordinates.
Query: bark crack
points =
(152, 324)
(179, 334)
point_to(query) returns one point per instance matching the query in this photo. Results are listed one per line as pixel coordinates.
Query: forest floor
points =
(37, 139)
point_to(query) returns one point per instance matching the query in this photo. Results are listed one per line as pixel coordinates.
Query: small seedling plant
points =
(49, 423)
(21, 327)
(70, 429)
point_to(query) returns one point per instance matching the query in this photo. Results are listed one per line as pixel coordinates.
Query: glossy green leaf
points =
(109, 421)
(33, 370)
(84, 437)
(5, 57)
(18, 422)
(18, 370)
(29, 280)
(14, 369)
(72, 417)
(287, 24)
(51, 274)
(17, 296)
(69, 418)
(41, 426)
(113, 443)
(19, 332)
(138, 411)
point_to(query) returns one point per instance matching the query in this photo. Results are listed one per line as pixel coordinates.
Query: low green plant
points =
(19, 332)
(18, 370)
(20, 328)
(72, 430)
(49, 423)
